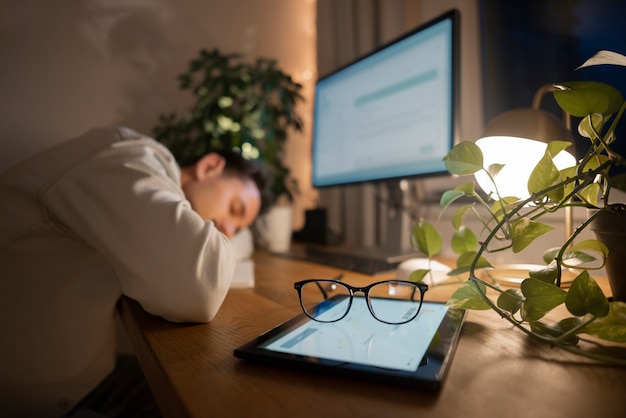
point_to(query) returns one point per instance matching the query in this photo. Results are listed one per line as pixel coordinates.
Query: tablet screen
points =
(359, 338)
(416, 353)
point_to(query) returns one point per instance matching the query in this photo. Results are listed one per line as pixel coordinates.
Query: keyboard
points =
(346, 261)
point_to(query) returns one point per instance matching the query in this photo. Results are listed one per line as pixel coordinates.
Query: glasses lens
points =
(325, 300)
(395, 302)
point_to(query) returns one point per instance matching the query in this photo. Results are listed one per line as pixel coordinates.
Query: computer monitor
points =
(391, 114)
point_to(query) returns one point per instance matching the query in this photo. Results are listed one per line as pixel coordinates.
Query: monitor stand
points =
(380, 225)
(394, 223)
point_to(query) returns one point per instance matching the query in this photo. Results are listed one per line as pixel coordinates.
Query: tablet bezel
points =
(430, 374)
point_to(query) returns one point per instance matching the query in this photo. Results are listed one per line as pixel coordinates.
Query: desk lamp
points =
(518, 139)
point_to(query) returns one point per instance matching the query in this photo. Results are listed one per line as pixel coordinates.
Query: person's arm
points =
(126, 203)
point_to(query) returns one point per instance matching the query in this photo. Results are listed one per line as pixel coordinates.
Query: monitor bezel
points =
(454, 16)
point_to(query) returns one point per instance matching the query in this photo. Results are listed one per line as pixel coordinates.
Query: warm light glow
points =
(519, 156)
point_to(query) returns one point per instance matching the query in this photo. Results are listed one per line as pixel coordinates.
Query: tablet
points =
(417, 353)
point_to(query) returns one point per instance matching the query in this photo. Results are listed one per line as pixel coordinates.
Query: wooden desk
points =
(496, 371)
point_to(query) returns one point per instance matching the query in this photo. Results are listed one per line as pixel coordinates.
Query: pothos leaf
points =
(524, 231)
(469, 296)
(605, 57)
(558, 329)
(426, 238)
(585, 296)
(418, 275)
(576, 255)
(611, 327)
(459, 215)
(449, 196)
(500, 206)
(465, 261)
(494, 169)
(540, 297)
(548, 274)
(464, 240)
(545, 173)
(572, 258)
(582, 98)
(618, 181)
(591, 126)
(510, 300)
(464, 159)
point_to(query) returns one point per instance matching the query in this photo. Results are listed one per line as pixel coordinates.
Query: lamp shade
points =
(518, 139)
(530, 124)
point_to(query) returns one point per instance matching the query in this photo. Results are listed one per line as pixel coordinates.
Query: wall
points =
(70, 65)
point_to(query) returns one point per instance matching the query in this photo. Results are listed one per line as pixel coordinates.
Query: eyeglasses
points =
(326, 300)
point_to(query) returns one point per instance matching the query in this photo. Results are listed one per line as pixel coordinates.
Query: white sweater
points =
(81, 224)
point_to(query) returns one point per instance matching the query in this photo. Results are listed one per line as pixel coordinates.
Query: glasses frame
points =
(422, 287)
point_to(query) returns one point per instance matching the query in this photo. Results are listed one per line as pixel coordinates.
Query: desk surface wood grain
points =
(497, 371)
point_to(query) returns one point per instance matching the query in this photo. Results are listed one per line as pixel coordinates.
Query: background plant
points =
(511, 223)
(248, 106)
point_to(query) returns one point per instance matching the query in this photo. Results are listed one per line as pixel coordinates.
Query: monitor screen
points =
(390, 114)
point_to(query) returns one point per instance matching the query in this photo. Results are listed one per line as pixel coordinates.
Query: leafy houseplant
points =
(594, 322)
(238, 105)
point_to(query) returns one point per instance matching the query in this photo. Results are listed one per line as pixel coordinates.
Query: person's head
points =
(227, 189)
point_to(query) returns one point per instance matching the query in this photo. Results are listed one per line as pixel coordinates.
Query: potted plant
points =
(246, 106)
(593, 322)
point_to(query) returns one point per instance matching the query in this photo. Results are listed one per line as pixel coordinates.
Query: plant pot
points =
(275, 230)
(610, 229)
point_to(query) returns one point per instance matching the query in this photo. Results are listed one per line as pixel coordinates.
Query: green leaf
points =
(494, 169)
(546, 174)
(547, 274)
(465, 261)
(585, 296)
(418, 275)
(590, 194)
(543, 175)
(611, 327)
(555, 147)
(525, 231)
(591, 125)
(469, 296)
(464, 240)
(618, 182)
(605, 57)
(498, 208)
(582, 98)
(459, 216)
(576, 256)
(540, 298)
(510, 300)
(571, 257)
(468, 258)
(426, 239)
(467, 188)
(557, 330)
(449, 196)
(464, 159)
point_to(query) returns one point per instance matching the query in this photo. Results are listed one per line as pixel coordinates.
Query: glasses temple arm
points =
(338, 278)
(319, 286)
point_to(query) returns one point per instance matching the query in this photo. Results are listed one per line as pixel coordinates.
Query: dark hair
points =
(254, 170)
(245, 169)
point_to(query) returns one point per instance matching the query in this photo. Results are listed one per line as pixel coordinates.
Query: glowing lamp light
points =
(519, 156)
(518, 139)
